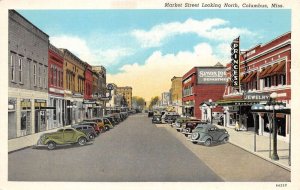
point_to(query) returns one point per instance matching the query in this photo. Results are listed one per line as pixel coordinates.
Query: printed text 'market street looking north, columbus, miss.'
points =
(219, 5)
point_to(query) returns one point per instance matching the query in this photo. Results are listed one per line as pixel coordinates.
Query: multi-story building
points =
(99, 89)
(74, 74)
(165, 99)
(199, 85)
(115, 100)
(264, 69)
(176, 94)
(27, 77)
(126, 93)
(56, 90)
(88, 102)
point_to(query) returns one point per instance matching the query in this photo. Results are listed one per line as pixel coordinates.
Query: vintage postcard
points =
(149, 95)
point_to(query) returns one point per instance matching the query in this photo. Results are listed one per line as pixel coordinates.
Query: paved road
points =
(139, 151)
(136, 150)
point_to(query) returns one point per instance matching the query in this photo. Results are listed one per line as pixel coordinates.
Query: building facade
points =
(176, 94)
(265, 68)
(165, 99)
(99, 89)
(126, 95)
(27, 77)
(74, 85)
(55, 84)
(199, 85)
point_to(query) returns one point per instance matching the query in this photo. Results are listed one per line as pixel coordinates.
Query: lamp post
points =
(273, 106)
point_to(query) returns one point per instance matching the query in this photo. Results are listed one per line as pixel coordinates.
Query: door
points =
(69, 135)
(214, 133)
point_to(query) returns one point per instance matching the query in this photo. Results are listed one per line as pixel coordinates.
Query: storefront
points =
(40, 115)
(12, 117)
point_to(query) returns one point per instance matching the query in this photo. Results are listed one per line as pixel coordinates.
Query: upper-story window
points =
(34, 74)
(45, 77)
(39, 76)
(20, 70)
(12, 67)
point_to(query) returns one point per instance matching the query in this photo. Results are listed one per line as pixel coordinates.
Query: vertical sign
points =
(235, 63)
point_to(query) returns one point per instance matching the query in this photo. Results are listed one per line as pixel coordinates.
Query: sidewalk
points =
(245, 140)
(26, 141)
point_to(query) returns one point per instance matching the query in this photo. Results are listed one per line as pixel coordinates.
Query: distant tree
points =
(139, 102)
(153, 101)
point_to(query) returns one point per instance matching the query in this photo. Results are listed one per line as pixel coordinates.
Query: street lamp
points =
(272, 105)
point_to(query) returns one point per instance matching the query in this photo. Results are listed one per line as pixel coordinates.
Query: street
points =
(138, 151)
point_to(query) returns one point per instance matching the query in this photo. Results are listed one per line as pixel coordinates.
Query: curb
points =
(267, 159)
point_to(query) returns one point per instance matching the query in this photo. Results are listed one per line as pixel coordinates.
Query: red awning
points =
(251, 76)
(264, 72)
(280, 69)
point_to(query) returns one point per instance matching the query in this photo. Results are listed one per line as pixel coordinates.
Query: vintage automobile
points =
(64, 136)
(190, 125)
(107, 124)
(181, 125)
(111, 120)
(156, 119)
(207, 134)
(170, 117)
(99, 122)
(150, 113)
(86, 129)
(94, 125)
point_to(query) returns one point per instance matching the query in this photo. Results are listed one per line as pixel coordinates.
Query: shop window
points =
(281, 125)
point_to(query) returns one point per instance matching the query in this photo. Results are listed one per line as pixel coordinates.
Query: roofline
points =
(13, 10)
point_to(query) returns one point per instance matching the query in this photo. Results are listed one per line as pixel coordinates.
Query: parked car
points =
(107, 124)
(182, 124)
(99, 122)
(62, 137)
(94, 125)
(156, 119)
(190, 125)
(207, 134)
(170, 118)
(86, 129)
(111, 120)
(150, 113)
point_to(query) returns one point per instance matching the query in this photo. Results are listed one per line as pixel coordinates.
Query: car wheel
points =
(195, 136)
(51, 145)
(82, 141)
(207, 142)
(225, 140)
(106, 128)
(91, 136)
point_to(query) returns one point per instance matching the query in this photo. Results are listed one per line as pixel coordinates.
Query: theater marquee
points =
(235, 63)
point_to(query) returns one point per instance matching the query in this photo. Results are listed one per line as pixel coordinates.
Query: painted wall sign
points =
(235, 63)
(211, 76)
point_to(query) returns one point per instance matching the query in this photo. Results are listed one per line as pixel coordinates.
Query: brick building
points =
(74, 73)
(27, 77)
(176, 94)
(55, 83)
(265, 68)
(199, 85)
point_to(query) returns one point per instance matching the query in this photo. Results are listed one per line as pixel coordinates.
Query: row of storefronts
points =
(265, 79)
(48, 87)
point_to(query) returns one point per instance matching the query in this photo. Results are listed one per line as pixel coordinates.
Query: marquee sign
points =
(235, 63)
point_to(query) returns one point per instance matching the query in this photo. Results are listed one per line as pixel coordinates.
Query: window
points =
(267, 81)
(12, 67)
(39, 76)
(20, 70)
(45, 77)
(54, 110)
(34, 74)
(282, 80)
(52, 73)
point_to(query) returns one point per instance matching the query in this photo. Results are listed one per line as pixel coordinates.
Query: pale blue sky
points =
(115, 38)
